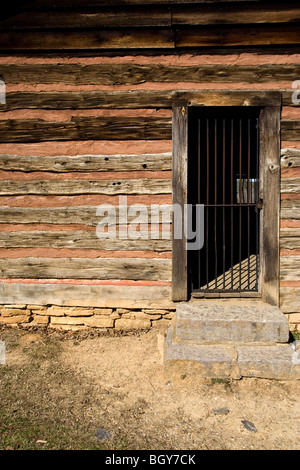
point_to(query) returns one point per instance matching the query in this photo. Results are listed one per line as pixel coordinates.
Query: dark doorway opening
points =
(223, 175)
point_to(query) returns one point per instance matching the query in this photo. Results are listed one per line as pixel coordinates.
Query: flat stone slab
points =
(281, 362)
(230, 322)
(204, 361)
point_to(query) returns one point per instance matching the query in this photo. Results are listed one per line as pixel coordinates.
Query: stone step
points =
(242, 322)
(223, 361)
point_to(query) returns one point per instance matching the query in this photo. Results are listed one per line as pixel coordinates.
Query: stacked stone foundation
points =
(82, 318)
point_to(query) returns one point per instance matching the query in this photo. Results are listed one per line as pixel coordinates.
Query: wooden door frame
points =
(269, 164)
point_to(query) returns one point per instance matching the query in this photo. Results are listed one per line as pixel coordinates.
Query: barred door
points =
(223, 175)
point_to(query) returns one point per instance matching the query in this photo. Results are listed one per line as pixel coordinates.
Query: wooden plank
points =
(257, 35)
(98, 3)
(137, 99)
(104, 18)
(290, 185)
(88, 100)
(111, 296)
(100, 39)
(290, 158)
(234, 14)
(85, 128)
(69, 187)
(228, 98)
(82, 268)
(79, 239)
(149, 15)
(87, 163)
(270, 192)
(130, 74)
(179, 254)
(287, 96)
(83, 215)
(289, 268)
(290, 130)
(290, 209)
(290, 238)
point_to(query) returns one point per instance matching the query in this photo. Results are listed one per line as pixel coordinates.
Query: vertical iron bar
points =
(248, 201)
(231, 200)
(240, 207)
(215, 209)
(199, 197)
(256, 200)
(207, 199)
(224, 244)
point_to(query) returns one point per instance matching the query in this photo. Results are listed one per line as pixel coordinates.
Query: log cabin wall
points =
(88, 118)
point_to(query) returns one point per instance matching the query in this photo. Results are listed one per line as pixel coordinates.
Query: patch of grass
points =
(296, 335)
(45, 406)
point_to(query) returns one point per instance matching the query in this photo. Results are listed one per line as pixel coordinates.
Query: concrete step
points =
(224, 361)
(243, 322)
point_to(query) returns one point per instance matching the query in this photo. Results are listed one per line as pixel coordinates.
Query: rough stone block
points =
(201, 360)
(97, 321)
(11, 320)
(281, 362)
(9, 312)
(129, 324)
(230, 322)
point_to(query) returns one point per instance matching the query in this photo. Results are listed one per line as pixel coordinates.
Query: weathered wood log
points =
(290, 185)
(62, 164)
(290, 238)
(81, 295)
(138, 99)
(290, 130)
(103, 128)
(83, 215)
(80, 239)
(68, 187)
(149, 38)
(290, 209)
(85, 128)
(82, 268)
(290, 158)
(289, 268)
(147, 15)
(130, 74)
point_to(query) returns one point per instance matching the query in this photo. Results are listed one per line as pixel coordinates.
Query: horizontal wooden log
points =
(234, 14)
(137, 99)
(256, 35)
(88, 100)
(287, 98)
(290, 209)
(81, 239)
(103, 18)
(130, 74)
(290, 158)
(87, 163)
(289, 268)
(84, 215)
(290, 299)
(290, 185)
(149, 38)
(290, 238)
(99, 3)
(290, 130)
(85, 128)
(69, 187)
(147, 15)
(81, 268)
(111, 296)
(102, 128)
(99, 39)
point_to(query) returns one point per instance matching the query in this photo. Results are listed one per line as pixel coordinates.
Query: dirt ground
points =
(117, 385)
